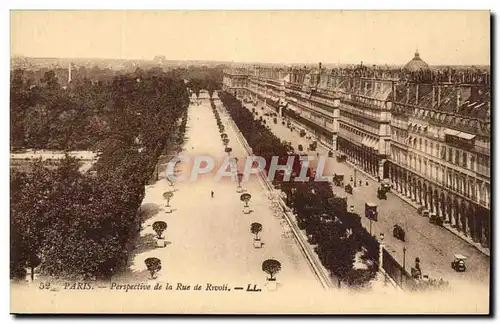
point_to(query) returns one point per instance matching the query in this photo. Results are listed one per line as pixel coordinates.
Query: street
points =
(209, 239)
(434, 246)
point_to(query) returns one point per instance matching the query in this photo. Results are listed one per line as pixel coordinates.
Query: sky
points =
(374, 37)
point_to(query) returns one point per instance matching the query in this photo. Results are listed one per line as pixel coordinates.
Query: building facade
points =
(427, 132)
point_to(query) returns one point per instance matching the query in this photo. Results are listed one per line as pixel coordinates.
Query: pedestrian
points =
(212, 193)
(367, 182)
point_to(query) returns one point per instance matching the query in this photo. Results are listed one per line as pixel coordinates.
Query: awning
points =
(466, 136)
(451, 132)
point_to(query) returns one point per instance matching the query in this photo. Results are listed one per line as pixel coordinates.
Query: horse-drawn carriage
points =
(313, 146)
(338, 179)
(348, 188)
(458, 264)
(398, 232)
(386, 185)
(341, 158)
(435, 219)
(382, 193)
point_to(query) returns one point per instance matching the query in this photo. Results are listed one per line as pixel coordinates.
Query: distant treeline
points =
(47, 113)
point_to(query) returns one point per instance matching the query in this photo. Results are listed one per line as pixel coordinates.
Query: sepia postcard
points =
(250, 162)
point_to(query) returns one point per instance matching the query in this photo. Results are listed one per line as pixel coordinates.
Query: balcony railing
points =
(325, 111)
(356, 100)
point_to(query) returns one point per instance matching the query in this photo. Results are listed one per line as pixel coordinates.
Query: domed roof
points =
(416, 64)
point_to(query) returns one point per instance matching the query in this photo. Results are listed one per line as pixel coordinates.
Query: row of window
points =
(450, 154)
(368, 101)
(447, 177)
(353, 131)
(372, 127)
(365, 112)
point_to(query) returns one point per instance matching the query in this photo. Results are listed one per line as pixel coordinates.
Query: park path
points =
(208, 239)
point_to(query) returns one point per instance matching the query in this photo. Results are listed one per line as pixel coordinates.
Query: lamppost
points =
(355, 172)
(381, 253)
(404, 264)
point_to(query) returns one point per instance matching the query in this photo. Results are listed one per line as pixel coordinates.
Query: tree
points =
(32, 262)
(225, 141)
(339, 255)
(153, 265)
(256, 228)
(168, 195)
(245, 197)
(339, 233)
(228, 150)
(77, 226)
(271, 267)
(50, 80)
(211, 88)
(159, 227)
(223, 135)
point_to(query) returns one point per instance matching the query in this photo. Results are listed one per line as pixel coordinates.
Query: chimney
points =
(69, 73)
(416, 96)
(393, 91)
(433, 96)
(320, 65)
(439, 96)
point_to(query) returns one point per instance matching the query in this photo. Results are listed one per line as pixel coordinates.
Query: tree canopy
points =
(79, 225)
(338, 233)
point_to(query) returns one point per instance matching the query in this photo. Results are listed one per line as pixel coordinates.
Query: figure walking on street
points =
(212, 193)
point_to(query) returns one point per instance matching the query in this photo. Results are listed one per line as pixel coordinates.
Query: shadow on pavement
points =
(148, 210)
(136, 276)
(143, 244)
